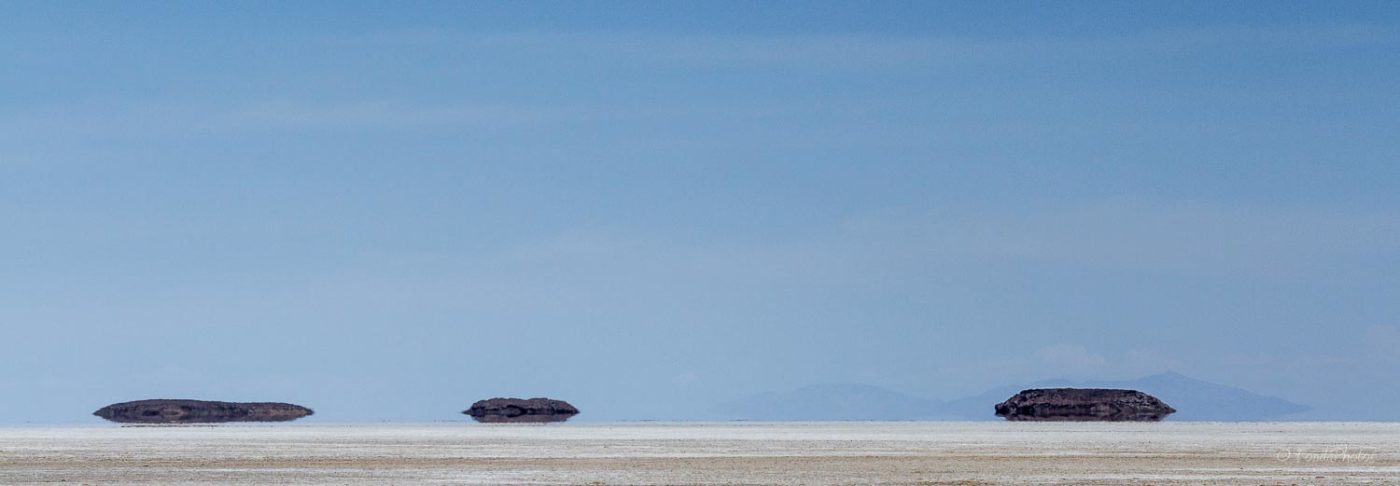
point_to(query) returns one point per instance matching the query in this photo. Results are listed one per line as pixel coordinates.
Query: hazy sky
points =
(387, 210)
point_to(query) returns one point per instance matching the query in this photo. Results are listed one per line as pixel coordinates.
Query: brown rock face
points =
(1083, 404)
(506, 410)
(199, 412)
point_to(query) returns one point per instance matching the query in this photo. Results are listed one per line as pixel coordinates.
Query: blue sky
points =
(387, 211)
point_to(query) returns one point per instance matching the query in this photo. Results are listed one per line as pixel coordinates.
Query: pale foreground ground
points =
(912, 453)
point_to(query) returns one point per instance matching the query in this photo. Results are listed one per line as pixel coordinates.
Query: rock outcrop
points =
(1083, 404)
(199, 412)
(507, 410)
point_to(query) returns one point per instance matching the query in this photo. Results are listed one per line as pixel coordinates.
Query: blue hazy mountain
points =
(1194, 400)
(833, 402)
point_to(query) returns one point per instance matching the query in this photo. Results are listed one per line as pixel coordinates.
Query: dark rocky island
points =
(1083, 404)
(199, 412)
(516, 410)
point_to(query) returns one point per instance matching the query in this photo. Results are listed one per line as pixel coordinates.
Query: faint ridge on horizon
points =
(1194, 399)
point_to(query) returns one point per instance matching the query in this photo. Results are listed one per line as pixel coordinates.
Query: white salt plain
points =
(912, 453)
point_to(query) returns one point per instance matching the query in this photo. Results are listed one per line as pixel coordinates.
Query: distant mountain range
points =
(1194, 400)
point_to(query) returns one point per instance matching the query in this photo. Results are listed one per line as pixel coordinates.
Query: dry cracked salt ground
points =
(910, 453)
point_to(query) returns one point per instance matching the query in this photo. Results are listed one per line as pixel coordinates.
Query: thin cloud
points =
(132, 118)
(380, 114)
(1198, 239)
(866, 50)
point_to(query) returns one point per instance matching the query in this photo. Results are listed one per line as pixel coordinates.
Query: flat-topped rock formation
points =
(1083, 404)
(512, 410)
(199, 412)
